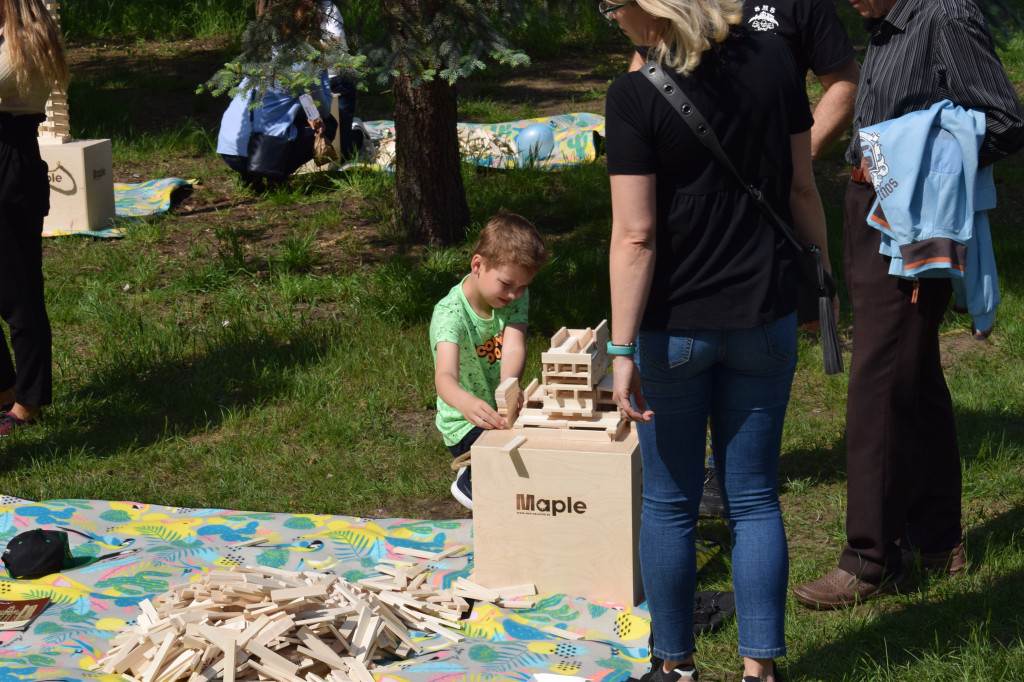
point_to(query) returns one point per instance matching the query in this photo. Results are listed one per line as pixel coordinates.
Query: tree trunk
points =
(430, 199)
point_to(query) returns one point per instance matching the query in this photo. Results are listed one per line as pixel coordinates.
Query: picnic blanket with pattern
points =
(133, 200)
(493, 144)
(132, 551)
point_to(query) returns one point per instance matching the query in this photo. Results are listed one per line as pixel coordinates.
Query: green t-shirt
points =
(479, 342)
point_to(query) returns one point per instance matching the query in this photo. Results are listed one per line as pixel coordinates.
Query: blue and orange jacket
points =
(932, 202)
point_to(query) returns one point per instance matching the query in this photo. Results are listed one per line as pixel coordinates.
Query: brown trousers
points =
(902, 461)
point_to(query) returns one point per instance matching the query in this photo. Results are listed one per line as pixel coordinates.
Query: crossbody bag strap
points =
(689, 112)
(813, 273)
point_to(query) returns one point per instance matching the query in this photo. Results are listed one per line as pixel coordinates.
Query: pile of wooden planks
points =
(266, 624)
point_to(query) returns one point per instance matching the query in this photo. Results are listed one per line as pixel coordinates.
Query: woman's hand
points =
(627, 385)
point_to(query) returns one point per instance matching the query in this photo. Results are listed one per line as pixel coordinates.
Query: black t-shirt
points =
(719, 263)
(812, 29)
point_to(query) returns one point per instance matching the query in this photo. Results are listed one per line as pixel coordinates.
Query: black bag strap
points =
(706, 134)
(815, 274)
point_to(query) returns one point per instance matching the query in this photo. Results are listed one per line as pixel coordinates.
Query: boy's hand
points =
(479, 413)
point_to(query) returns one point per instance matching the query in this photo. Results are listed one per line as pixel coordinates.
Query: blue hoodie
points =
(932, 202)
(275, 116)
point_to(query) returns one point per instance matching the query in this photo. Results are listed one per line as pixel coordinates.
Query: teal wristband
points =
(621, 350)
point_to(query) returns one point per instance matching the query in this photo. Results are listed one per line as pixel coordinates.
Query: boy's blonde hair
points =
(693, 27)
(511, 239)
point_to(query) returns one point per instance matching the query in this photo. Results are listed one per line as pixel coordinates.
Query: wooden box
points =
(81, 185)
(559, 510)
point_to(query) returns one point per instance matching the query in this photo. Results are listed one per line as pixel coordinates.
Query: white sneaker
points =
(462, 488)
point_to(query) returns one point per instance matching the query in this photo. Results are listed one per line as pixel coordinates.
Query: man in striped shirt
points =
(903, 466)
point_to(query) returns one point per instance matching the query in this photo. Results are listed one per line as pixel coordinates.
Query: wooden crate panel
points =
(81, 185)
(559, 513)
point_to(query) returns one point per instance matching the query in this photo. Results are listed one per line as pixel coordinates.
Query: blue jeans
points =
(740, 380)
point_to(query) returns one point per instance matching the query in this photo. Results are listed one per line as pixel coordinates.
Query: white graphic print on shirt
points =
(764, 18)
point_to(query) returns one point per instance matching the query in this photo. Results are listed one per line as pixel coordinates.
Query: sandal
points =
(9, 424)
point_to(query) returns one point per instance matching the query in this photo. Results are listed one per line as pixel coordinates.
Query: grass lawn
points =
(269, 352)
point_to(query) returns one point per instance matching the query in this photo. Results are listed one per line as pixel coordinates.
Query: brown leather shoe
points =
(954, 561)
(839, 588)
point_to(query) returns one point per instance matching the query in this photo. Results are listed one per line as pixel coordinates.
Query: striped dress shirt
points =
(925, 51)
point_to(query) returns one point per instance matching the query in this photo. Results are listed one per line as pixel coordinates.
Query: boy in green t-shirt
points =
(478, 335)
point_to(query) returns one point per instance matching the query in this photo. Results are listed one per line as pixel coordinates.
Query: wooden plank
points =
(272, 673)
(306, 592)
(515, 591)
(317, 649)
(357, 670)
(559, 337)
(271, 659)
(443, 631)
(450, 551)
(561, 632)
(158, 660)
(513, 444)
(412, 551)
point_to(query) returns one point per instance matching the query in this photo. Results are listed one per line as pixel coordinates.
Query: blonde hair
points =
(511, 239)
(694, 26)
(33, 42)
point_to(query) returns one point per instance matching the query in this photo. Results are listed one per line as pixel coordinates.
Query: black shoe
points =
(684, 672)
(711, 609)
(711, 500)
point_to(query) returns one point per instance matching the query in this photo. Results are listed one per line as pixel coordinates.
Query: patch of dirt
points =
(959, 345)
(568, 83)
(428, 508)
(415, 423)
(154, 82)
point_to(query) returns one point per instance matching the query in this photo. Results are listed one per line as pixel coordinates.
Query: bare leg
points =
(761, 668)
(26, 413)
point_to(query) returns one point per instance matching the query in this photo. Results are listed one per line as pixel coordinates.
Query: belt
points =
(857, 174)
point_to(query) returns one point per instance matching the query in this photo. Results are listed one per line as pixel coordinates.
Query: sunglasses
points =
(606, 8)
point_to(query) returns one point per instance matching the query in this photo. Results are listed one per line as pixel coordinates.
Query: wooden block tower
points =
(576, 393)
(81, 171)
(556, 498)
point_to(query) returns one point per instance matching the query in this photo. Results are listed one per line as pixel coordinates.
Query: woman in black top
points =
(704, 287)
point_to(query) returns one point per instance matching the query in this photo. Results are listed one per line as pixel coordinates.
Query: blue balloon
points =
(535, 142)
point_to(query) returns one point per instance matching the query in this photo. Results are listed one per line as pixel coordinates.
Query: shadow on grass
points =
(976, 433)
(137, 402)
(124, 92)
(943, 626)
(821, 466)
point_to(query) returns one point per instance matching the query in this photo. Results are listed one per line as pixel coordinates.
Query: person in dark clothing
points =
(903, 465)
(32, 63)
